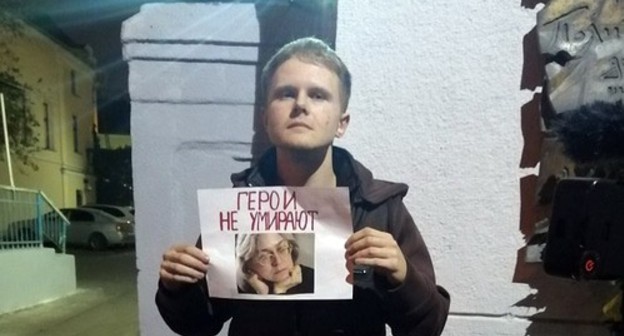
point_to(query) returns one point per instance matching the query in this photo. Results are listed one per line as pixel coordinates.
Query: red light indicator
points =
(590, 265)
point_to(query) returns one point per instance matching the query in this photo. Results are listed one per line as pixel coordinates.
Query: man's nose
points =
(301, 103)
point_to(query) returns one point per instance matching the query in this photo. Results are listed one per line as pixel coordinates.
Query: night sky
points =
(97, 23)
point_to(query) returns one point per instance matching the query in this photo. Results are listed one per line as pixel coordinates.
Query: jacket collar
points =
(349, 173)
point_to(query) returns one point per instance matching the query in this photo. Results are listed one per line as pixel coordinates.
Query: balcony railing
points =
(29, 219)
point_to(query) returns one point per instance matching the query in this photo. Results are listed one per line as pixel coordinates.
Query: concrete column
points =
(192, 87)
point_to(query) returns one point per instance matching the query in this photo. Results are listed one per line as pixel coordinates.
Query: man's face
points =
(303, 110)
(273, 258)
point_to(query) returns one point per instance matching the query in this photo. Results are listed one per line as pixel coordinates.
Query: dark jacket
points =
(417, 307)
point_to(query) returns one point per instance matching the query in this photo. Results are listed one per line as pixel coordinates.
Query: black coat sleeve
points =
(190, 310)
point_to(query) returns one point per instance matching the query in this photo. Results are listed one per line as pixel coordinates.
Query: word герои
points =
(269, 211)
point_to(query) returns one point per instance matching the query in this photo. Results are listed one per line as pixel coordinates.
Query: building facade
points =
(58, 85)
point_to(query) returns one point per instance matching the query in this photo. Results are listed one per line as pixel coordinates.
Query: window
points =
(111, 211)
(47, 127)
(75, 133)
(72, 78)
(79, 200)
(82, 216)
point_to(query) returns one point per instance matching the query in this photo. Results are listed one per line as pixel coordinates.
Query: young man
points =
(306, 90)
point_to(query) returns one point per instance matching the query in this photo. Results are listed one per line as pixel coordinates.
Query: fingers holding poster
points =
(276, 243)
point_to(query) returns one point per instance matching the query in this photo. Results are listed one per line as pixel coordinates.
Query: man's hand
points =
(182, 264)
(370, 247)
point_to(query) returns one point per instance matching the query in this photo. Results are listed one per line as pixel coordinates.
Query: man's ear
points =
(343, 124)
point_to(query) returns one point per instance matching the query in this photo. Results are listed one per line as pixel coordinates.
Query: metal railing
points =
(29, 219)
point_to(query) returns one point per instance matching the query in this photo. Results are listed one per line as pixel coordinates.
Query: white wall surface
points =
(35, 275)
(436, 103)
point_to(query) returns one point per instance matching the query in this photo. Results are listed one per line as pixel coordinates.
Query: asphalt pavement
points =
(105, 303)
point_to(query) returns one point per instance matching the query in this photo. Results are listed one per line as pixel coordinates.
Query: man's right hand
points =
(182, 264)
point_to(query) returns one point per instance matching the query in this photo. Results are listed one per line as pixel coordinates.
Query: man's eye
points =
(317, 95)
(286, 94)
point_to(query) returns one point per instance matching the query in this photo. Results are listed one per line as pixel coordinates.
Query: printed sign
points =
(276, 243)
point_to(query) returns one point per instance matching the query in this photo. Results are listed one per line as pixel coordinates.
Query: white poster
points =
(276, 243)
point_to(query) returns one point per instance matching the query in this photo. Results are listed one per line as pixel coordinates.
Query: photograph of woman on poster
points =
(268, 263)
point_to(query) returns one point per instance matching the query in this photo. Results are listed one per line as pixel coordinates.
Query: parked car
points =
(122, 212)
(97, 229)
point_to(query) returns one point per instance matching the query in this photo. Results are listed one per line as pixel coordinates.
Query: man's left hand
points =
(370, 247)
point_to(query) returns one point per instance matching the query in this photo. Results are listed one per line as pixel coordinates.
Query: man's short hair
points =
(309, 49)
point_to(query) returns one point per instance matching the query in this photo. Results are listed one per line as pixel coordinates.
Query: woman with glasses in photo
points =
(268, 264)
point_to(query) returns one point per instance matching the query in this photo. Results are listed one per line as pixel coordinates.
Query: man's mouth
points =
(299, 124)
